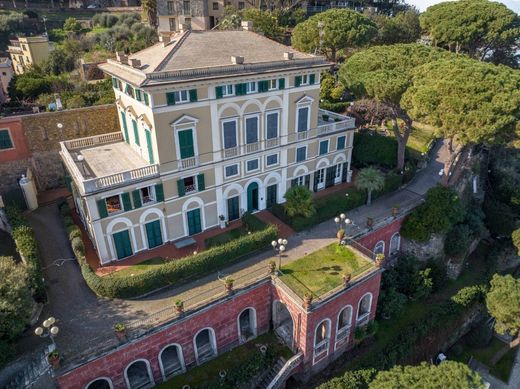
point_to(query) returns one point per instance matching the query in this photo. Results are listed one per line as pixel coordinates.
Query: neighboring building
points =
(14, 153)
(28, 51)
(198, 14)
(212, 123)
(6, 73)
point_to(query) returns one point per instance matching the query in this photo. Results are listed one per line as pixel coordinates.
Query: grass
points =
(322, 270)
(420, 138)
(225, 237)
(136, 269)
(228, 361)
(502, 369)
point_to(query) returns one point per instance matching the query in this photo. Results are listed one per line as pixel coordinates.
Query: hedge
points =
(338, 107)
(26, 245)
(370, 148)
(176, 271)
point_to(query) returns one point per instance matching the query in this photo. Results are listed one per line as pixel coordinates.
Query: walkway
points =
(86, 321)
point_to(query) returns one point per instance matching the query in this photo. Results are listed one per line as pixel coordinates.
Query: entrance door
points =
(233, 208)
(329, 181)
(123, 244)
(252, 197)
(319, 179)
(153, 234)
(194, 224)
(271, 195)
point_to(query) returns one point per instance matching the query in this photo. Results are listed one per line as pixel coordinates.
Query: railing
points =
(273, 142)
(188, 163)
(93, 141)
(252, 147)
(285, 372)
(230, 152)
(98, 183)
(190, 188)
(321, 347)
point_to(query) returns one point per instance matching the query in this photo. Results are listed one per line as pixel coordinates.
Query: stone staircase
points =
(276, 377)
(30, 373)
(269, 377)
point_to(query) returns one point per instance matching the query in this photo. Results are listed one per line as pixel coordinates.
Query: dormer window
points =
(227, 90)
(250, 87)
(181, 96)
(272, 84)
(304, 79)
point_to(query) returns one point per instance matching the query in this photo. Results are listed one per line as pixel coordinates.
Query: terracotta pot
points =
(55, 362)
(370, 222)
(229, 288)
(180, 309)
(395, 211)
(340, 235)
(307, 301)
(121, 335)
(346, 279)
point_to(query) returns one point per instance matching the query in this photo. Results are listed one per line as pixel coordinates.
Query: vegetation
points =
(369, 179)
(401, 28)
(320, 271)
(333, 30)
(371, 148)
(357, 379)
(503, 303)
(515, 236)
(458, 240)
(299, 202)
(250, 223)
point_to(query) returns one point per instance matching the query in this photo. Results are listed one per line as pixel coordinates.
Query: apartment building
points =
(213, 124)
(198, 14)
(28, 51)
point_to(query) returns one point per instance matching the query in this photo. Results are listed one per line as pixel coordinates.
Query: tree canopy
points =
(332, 30)
(503, 303)
(467, 100)
(475, 27)
(299, 202)
(449, 374)
(401, 28)
(369, 179)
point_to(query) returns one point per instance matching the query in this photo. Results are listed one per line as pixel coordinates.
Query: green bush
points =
(371, 148)
(252, 223)
(68, 221)
(6, 352)
(457, 240)
(480, 335)
(73, 232)
(77, 246)
(390, 303)
(469, 295)
(393, 181)
(338, 107)
(357, 379)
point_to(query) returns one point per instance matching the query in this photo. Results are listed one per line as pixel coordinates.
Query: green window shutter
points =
(5, 140)
(263, 86)
(200, 182)
(138, 95)
(240, 89)
(186, 145)
(114, 82)
(127, 204)
(193, 95)
(137, 198)
(281, 83)
(68, 182)
(180, 188)
(170, 98)
(125, 127)
(297, 80)
(102, 208)
(218, 92)
(146, 98)
(312, 78)
(159, 192)
(136, 132)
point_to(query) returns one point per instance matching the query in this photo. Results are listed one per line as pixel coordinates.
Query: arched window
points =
(246, 325)
(344, 324)
(321, 340)
(395, 243)
(171, 361)
(379, 248)
(364, 309)
(100, 383)
(138, 375)
(205, 345)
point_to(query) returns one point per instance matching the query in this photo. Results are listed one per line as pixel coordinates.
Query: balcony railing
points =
(188, 163)
(230, 152)
(252, 147)
(92, 141)
(273, 142)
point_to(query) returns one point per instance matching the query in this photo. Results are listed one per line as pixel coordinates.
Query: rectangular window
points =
(190, 185)
(147, 194)
(227, 90)
(341, 142)
(301, 154)
(252, 129)
(5, 140)
(114, 204)
(172, 24)
(215, 6)
(187, 148)
(300, 181)
(305, 79)
(241, 5)
(303, 119)
(230, 134)
(250, 87)
(181, 96)
(272, 84)
(252, 165)
(187, 21)
(231, 170)
(271, 160)
(271, 125)
(171, 7)
(324, 147)
(186, 7)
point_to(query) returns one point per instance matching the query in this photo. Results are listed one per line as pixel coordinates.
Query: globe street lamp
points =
(339, 220)
(48, 330)
(280, 246)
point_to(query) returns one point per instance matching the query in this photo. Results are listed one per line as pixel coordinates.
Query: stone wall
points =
(433, 248)
(384, 234)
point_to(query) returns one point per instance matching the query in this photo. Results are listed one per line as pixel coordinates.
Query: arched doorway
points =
(100, 383)
(283, 323)
(138, 375)
(205, 345)
(172, 361)
(246, 325)
(252, 197)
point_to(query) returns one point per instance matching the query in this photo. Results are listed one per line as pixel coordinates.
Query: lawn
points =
(502, 369)
(137, 269)
(229, 361)
(322, 270)
(420, 138)
(225, 237)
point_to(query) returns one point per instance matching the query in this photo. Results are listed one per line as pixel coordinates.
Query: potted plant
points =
(325, 117)
(307, 300)
(370, 221)
(380, 258)
(272, 266)
(179, 306)
(222, 221)
(346, 279)
(120, 330)
(395, 210)
(340, 234)
(54, 359)
(228, 283)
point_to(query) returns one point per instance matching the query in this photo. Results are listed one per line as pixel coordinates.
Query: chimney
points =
(288, 55)
(135, 63)
(247, 25)
(183, 27)
(121, 57)
(237, 59)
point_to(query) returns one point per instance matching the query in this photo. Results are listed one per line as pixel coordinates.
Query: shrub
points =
(475, 223)
(299, 202)
(371, 148)
(73, 231)
(480, 335)
(252, 223)
(437, 273)
(515, 236)
(77, 246)
(391, 302)
(357, 379)
(468, 295)
(339, 107)
(68, 221)
(458, 240)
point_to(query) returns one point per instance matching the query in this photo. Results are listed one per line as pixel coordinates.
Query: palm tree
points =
(299, 202)
(150, 9)
(370, 179)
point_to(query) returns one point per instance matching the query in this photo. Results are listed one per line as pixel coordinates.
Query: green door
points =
(233, 208)
(194, 224)
(271, 196)
(252, 197)
(153, 234)
(149, 146)
(123, 245)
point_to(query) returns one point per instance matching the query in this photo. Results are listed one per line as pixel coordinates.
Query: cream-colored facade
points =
(28, 51)
(200, 142)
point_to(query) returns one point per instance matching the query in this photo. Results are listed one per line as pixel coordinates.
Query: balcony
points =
(188, 163)
(328, 123)
(104, 162)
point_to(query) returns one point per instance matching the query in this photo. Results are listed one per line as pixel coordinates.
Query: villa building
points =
(28, 51)
(213, 124)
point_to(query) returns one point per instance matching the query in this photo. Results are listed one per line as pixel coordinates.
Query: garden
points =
(321, 271)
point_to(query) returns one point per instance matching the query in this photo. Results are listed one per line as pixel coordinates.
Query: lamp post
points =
(348, 223)
(339, 220)
(48, 330)
(280, 246)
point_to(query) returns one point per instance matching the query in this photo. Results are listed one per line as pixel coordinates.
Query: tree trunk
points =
(14, 4)
(369, 197)
(333, 54)
(402, 138)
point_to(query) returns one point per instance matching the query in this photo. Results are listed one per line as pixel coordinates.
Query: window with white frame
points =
(341, 142)
(364, 308)
(272, 84)
(147, 194)
(321, 339)
(271, 124)
(251, 87)
(251, 129)
(379, 247)
(252, 165)
(229, 130)
(344, 324)
(300, 181)
(231, 170)
(228, 90)
(337, 172)
(301, 154)
(114, 204)
(305, 79)
(181, 96)
(303, 119)
(324, 147)
(271, 160)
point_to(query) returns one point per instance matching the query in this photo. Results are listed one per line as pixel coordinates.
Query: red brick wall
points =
(21, 149)
(385, 234)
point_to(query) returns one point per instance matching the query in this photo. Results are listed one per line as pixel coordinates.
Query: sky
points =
(423, 4)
